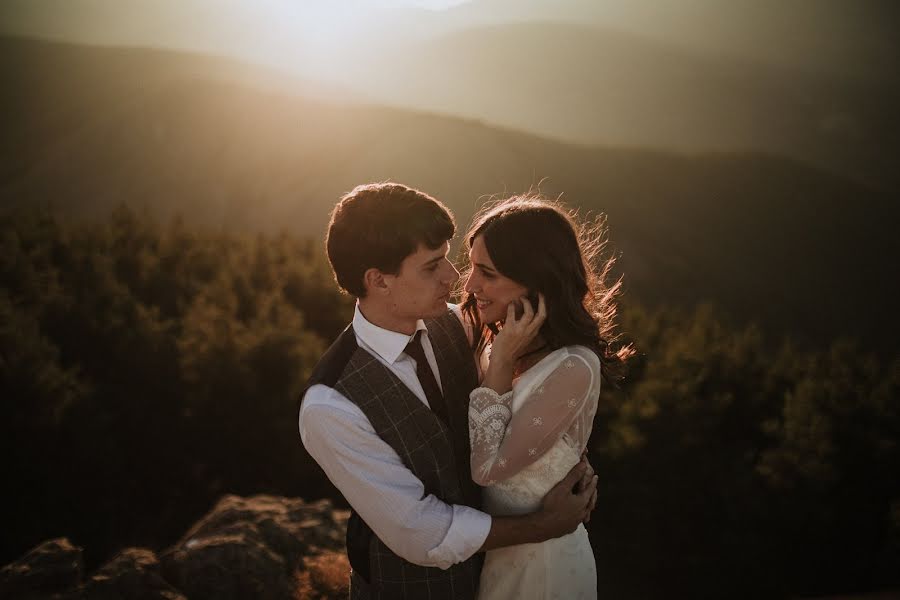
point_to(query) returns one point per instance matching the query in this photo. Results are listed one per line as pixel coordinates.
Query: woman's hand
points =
(518, 333)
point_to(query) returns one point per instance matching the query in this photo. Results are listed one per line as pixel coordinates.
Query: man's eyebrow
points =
(484, 267)
(433, 261)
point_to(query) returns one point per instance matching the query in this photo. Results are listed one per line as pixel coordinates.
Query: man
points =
(386, 410)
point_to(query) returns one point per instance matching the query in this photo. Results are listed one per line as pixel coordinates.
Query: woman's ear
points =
(374, 282)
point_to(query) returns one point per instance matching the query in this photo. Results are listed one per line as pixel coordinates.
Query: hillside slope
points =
(767, 239)
(590, 85)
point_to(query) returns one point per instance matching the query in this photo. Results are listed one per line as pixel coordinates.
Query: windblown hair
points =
(539, 244)
(377, 226)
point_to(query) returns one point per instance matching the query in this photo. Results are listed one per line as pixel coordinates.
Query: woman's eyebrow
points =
(485, 267)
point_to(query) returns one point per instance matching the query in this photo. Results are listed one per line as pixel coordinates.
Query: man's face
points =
(421, 288)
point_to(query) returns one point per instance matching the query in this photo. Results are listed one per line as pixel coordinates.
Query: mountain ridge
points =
(733, 229)
(580, 83)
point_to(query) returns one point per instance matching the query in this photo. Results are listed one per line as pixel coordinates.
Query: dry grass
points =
(324, 576)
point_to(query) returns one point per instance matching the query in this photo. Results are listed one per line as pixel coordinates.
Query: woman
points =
(542, 321)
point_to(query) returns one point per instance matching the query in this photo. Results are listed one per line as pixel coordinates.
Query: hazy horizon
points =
(828, 37)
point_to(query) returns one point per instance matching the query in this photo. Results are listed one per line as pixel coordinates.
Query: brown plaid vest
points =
(437, 454)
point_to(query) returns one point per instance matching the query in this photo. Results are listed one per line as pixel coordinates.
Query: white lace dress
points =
(523, 443)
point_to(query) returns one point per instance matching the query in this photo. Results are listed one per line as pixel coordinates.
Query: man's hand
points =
(586, 481)
(565, 506)
(563, 509)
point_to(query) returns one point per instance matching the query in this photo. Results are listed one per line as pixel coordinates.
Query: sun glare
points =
(316, 37)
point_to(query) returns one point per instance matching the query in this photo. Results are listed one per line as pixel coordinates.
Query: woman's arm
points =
(512, 342)
(503, 444)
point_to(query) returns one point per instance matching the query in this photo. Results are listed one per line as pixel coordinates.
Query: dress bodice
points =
(523, 492)
(528, 439)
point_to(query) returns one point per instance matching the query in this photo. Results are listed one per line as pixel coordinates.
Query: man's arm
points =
(390, 498)
(563, 508)
(384, 492)
(588, 479)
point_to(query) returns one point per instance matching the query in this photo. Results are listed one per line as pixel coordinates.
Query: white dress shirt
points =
(421, 529)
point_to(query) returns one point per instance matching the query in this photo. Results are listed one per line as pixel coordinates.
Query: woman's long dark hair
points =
(539, 244)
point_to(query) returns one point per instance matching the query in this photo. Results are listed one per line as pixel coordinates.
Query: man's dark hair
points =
(378, 225)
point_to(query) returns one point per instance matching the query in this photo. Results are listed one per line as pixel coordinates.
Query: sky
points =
(847, 36)
(280, 33)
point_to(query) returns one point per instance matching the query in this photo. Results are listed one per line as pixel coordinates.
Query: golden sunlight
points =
(315, 36)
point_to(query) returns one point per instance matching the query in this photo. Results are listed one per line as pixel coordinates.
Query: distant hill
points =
(816, 80)
(590, 85)
(854, 39)
(767, 239)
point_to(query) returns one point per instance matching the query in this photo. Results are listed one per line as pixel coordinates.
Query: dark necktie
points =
(433, 394)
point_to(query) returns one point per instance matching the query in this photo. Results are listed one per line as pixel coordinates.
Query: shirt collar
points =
(388, 344)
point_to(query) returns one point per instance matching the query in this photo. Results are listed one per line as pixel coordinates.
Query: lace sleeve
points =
(503, 444)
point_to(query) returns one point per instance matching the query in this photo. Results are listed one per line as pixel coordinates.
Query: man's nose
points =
(452, 275)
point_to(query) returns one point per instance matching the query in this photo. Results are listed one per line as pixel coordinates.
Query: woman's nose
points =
(471, 283)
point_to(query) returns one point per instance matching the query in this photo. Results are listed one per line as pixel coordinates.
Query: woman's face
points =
(493, 291)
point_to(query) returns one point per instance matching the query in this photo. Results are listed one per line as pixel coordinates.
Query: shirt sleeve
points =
(419, 528)
(503, 444)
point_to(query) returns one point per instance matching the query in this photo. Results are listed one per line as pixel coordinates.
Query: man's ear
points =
(374, 281)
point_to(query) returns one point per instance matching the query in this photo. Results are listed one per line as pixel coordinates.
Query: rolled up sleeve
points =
(419, 528)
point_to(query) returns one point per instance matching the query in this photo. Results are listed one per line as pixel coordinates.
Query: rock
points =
(133, 574)
(233, 566)
(288, 526)
(50, 569)
(324, 576)
(256, 547)
(250, 547)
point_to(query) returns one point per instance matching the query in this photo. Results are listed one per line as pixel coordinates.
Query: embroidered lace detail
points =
(510, 434)
(494, 410)
(489, 413)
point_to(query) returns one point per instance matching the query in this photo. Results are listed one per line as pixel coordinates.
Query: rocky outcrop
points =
(132, 573)
(48, 570)
(256, 547)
